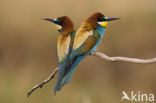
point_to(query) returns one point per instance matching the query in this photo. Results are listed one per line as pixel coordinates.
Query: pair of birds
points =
(73, 46)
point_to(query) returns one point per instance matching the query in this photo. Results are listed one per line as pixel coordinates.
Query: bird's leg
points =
(92, 54)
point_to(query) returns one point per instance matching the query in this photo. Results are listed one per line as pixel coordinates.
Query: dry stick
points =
(124, 59)
(103, 56)
(43, 82)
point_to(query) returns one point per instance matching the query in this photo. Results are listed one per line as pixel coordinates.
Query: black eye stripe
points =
(102, 19)
(57, 22)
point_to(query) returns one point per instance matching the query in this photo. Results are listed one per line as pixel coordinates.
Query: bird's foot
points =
(93, 54)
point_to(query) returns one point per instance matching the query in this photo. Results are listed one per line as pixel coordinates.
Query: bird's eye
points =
(57, 22)
(102, 19)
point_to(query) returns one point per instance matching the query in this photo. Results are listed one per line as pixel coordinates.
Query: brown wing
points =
(63, 46)
(90, 42)
(80, 37)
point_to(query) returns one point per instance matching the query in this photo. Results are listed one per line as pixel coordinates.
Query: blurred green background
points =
(28, 50)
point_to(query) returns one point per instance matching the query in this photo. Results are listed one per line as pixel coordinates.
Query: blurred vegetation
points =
(28, 50)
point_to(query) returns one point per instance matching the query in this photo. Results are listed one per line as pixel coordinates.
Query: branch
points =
(103, 56)
(43, 82)
(124, 59)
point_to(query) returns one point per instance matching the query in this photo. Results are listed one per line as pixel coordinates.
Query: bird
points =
(86, 40)
(65, 27)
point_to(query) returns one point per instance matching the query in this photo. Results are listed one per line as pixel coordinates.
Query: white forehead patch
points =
(106, 17)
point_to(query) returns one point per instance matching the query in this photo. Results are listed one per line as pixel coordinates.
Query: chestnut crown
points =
(63, 24)
(99, 18)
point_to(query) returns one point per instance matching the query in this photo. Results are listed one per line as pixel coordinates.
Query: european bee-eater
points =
(87, 39)
(65, 28)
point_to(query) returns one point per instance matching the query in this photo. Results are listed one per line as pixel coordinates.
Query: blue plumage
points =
(80, 56)
(60, 76)
(100, 31)
(71, 70)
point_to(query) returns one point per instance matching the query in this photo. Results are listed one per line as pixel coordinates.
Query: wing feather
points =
(63, 47)
(80, 37)
(91, 43)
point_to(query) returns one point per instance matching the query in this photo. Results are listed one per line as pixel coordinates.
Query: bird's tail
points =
(61, 71)
(71, 70)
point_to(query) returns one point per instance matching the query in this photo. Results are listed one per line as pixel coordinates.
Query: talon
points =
(93, 54)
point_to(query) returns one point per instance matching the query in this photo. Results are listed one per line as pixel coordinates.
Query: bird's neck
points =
(66, 31)
(100, 29)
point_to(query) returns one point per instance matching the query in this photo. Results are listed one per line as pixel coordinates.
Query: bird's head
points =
(99, 19)
(63, 24)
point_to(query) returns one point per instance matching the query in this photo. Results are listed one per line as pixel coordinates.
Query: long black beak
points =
(112, 18)
(49, 19)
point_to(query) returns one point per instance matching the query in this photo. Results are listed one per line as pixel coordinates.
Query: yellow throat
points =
(58, 27)
(103, 23)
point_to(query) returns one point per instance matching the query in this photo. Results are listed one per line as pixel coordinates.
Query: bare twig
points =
(103, 56)
(43, 82)
(124, 59)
